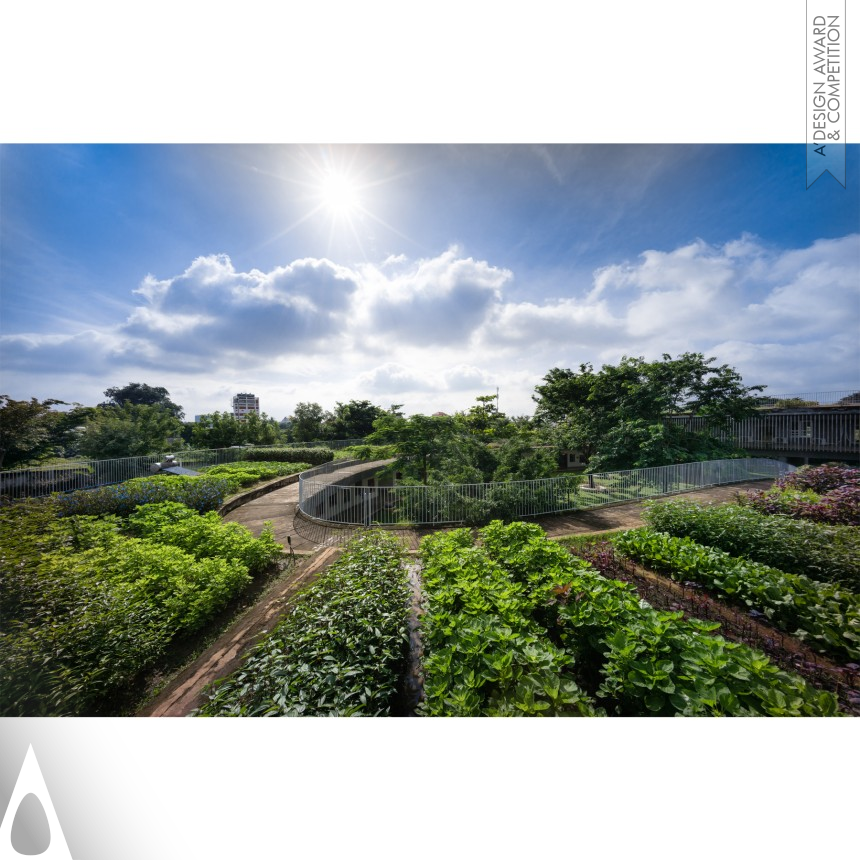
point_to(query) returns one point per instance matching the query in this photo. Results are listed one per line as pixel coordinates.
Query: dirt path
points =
(319, 544)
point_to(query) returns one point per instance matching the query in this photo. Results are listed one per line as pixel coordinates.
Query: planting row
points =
(821, 552)
(516, 625)
(825, 615)
(340, 651)
(89, 604)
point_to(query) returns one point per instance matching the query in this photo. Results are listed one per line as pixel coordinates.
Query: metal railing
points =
(451, 504)
(825, 433)
(821, 398)
(80, 474)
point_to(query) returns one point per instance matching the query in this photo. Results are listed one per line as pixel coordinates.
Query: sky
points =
(421, 275)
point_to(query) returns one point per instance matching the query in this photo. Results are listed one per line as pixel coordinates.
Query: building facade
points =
(245, 404)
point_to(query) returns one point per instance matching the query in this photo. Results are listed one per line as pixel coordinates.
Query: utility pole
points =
(497, 398)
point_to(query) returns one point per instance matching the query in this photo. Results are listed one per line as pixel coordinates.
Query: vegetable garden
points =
(512, 623)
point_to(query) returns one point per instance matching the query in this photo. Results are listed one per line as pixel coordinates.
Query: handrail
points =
(451, 504)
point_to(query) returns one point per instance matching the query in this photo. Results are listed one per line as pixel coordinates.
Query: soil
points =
(316, 547)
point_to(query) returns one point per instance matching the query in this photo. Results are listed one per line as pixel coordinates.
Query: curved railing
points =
(454, 504)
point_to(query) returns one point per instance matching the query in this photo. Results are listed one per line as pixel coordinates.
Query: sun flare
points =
(339, 194)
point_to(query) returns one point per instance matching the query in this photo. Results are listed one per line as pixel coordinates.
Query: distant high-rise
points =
(245, 404)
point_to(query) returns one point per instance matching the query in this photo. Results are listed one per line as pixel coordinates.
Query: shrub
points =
(204, 535)
(314, 456)
(87, 609)
(821, 479)
(202, 494)
(247, 473)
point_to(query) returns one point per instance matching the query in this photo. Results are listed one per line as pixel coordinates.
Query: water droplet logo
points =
(30, 826)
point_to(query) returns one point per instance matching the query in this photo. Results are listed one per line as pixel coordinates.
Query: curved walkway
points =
(183, 693)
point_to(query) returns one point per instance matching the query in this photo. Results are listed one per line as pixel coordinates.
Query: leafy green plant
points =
(341, 649)
(87, 608)
(589, 631)
(825, 615)
(247, 473)
(821, 552)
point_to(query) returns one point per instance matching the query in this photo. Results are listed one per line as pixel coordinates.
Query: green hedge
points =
(314, 456)
(252, 472)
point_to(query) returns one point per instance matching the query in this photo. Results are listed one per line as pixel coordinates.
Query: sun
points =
(340, 194)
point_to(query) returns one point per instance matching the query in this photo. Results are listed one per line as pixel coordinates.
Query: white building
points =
(245, 404)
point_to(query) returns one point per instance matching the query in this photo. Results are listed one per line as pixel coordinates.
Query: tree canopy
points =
(25, 430)
(141, 394)
(223, 429)
(130, 430)
(616, 415)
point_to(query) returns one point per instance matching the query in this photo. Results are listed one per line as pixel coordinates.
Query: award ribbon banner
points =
(825, 90)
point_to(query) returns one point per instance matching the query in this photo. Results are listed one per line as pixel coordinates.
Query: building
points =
(245, 404)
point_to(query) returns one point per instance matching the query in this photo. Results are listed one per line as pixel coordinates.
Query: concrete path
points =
(281, 508)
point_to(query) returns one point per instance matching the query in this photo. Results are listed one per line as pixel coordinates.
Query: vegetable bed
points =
(518, 625)
(339, 652)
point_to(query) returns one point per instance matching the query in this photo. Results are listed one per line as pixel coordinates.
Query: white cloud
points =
(436, 332)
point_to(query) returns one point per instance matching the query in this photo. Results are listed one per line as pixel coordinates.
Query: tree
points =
(485, 421)
(223, 429)
(352, 420)
(131, 430)
(25, 430)
(421, 440)
(616, 416)
(141, 394)
(306, 423)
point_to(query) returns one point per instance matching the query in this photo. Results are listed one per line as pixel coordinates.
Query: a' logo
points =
(30, 826)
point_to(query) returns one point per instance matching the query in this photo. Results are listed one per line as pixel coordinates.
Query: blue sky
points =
(417, 274)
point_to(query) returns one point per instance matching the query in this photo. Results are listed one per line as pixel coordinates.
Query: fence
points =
(824, 433)
(86, 474)
(444, 504)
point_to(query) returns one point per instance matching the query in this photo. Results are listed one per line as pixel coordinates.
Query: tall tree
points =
(306, 422)
(352, 420)
(616, 416)
(421, 440)
(223, 429)
(141, 394)
(25, 430)
(131, 430)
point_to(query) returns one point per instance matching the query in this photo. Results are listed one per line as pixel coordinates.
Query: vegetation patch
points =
(91, 604)
(247, 473)
(821, 552)
(824, 494)
(339, 652)
(201, 494)
(616, 655)
(825, 615)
